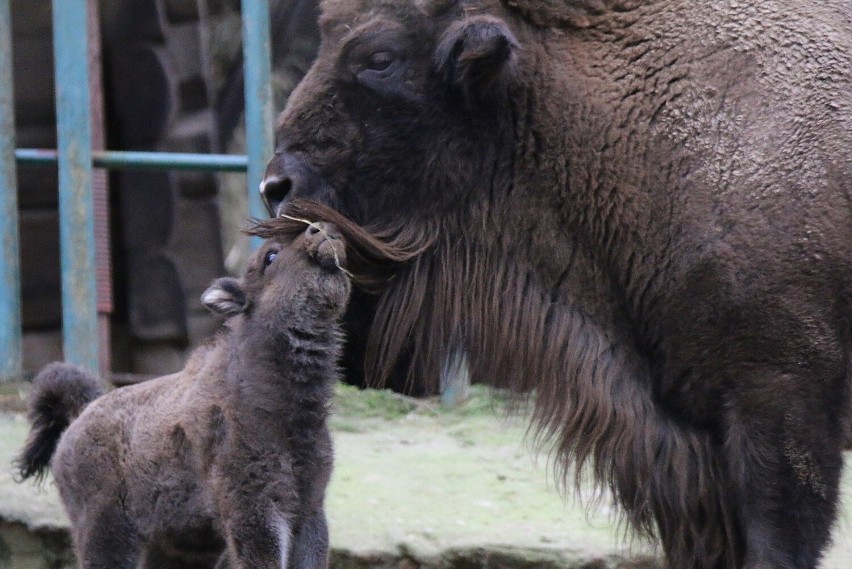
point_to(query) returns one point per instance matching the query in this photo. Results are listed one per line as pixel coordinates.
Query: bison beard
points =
(638, 212)
(590, 397)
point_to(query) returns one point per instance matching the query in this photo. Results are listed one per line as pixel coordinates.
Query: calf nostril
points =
(273, 191)
(314, 228)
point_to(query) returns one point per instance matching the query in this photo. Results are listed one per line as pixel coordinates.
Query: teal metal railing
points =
(76, 202)
(258, 97)
(75, 159)
(117, 159)
(10, 267)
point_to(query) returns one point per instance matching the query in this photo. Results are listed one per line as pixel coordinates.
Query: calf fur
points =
(232, 453)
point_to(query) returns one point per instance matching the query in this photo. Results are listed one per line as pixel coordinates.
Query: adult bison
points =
(642, 210)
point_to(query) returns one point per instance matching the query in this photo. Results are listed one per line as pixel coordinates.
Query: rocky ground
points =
(415, 486)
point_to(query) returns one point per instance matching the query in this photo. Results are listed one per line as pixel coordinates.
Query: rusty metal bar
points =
(11, 362)
(76, 209)
(100, 195)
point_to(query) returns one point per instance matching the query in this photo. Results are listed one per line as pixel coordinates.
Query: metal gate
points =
(75, 158)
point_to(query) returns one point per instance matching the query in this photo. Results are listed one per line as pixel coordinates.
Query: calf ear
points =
(225, 296)
(476, 53)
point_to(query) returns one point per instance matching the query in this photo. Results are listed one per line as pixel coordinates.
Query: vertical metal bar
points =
(76, 211)
(455, 377)
(258, 94)
(100, 193)
(11, 366)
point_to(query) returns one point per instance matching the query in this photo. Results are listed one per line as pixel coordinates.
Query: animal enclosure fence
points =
(78, 107)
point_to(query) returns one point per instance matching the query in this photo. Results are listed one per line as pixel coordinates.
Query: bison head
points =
(404, 124)
(396, 91)
(288, 275)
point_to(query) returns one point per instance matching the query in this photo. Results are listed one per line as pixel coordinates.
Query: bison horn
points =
(434, 7)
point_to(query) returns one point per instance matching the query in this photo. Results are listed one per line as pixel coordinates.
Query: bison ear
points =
(225, 296)
(476, 54)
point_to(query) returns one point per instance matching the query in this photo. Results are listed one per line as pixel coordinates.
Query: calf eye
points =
(269, 257)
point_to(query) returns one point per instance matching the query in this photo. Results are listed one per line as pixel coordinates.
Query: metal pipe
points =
(11, 361)
(76, 209)
(258, 97)
(120, 159)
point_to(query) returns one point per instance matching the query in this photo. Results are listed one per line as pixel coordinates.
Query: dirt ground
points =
(419, 486)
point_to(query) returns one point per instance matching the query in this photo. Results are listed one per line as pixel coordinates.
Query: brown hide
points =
(640, 210)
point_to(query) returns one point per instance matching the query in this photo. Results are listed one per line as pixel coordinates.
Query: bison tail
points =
(60, 392)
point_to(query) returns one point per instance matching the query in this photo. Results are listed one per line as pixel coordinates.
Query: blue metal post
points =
(76, 209)
(10, 268)
(258, 92)
(455, 377)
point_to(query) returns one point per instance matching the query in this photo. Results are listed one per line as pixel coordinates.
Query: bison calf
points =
(231, 453)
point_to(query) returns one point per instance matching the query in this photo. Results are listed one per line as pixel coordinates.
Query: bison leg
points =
(258, 540)
(310, 544)
(785, 466)
(107, 539)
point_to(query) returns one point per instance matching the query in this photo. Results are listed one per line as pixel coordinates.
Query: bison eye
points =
(380, 61)
(380, 71)
(269, 257)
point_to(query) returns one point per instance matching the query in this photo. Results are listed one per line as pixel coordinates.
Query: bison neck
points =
(594, 195)
(285, 374)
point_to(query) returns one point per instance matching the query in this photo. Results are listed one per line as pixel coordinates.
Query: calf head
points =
(302, 273)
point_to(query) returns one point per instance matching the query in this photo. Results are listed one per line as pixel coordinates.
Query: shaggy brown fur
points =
(641, 210)
(233, 452)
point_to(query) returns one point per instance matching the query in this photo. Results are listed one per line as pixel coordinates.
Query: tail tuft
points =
(59, 394)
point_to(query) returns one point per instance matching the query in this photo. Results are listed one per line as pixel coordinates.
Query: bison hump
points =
(565, 13)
